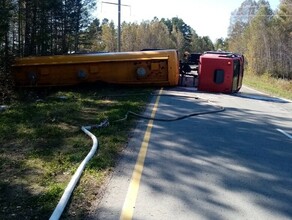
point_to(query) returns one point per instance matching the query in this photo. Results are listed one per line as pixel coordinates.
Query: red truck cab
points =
(220, 72)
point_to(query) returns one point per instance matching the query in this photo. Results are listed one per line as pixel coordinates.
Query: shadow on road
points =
(220, 165)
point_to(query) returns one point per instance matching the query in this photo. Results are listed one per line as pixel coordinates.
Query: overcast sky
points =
(206, 17)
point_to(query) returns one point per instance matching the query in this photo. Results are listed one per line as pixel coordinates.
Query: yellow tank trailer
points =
(158, 67)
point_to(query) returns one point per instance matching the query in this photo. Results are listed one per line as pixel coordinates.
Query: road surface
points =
(235, 164)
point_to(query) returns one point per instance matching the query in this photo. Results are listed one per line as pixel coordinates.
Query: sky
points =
(206, 17)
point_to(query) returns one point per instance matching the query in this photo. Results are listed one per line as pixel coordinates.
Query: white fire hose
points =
(75, 178)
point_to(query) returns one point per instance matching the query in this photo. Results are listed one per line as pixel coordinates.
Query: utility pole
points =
(119, 26)
(119, 20)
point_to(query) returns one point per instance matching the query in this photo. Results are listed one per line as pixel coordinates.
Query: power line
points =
(119, 19)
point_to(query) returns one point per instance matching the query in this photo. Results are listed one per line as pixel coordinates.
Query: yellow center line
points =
(129, 204)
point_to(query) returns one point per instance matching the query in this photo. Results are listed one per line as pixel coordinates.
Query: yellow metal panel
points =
(155, 66)
(160, 67)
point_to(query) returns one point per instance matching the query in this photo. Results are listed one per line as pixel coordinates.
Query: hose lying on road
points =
(170, 119)
(75, 178)
(219, 109)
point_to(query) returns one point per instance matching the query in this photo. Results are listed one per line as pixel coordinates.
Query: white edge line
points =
(285, 133)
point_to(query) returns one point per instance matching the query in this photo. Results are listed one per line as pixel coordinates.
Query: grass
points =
(42, 145)
(276, 87)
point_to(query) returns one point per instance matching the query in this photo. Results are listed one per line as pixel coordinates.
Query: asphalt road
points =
(235, 164)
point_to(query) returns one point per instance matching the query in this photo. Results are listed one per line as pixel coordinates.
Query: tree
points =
(205, 44)
(239, 21)
(264, 37)
(6, 12)
(159, 36)
(221, 44)
(195, 45)
(153, 35)
(91, 39)
(178, 40)
(129, 37)
(282, 41)
(109, 37)
(47, 27)
(241, 17)
(258, 50)
(183, 28)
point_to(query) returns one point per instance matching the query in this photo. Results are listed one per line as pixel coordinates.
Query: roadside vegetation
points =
(264, 37)
(42, 145)
(270, 85)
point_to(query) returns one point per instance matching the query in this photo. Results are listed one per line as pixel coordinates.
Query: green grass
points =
(276, 87)
(42, 145)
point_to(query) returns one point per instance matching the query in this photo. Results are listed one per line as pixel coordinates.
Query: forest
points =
(51, 27)
(264, 36)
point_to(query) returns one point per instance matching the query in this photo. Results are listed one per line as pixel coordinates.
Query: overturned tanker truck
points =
(211, 71)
